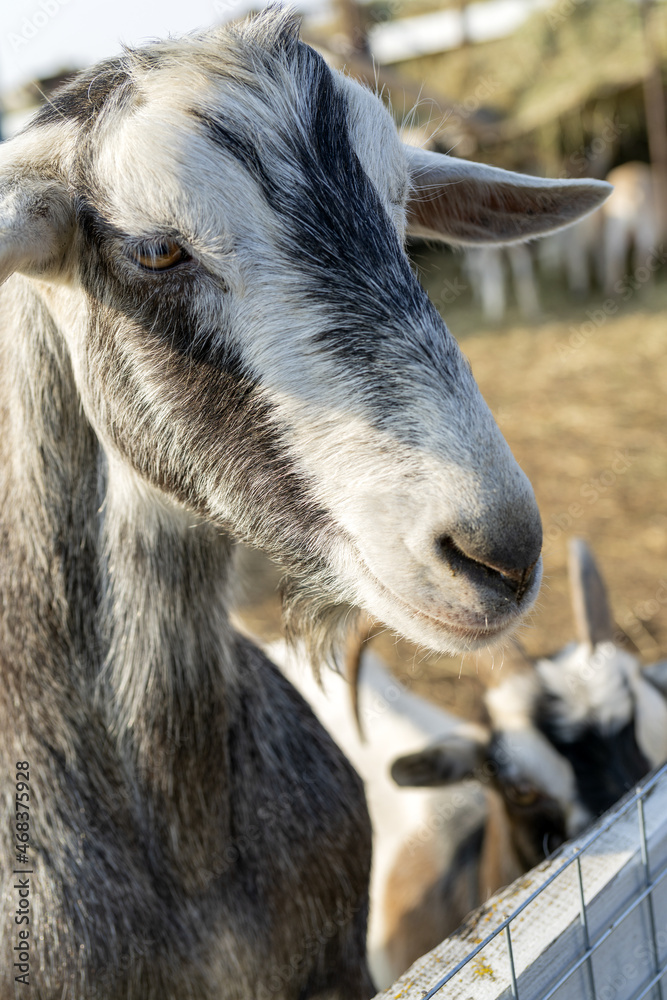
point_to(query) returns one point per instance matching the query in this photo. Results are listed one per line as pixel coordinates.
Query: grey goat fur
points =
(211, 331)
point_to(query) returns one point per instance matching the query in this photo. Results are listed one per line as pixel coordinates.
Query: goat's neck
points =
(48, 470)
(118, 586)
(170, 650)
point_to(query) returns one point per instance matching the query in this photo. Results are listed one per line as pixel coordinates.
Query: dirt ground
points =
(581, 397)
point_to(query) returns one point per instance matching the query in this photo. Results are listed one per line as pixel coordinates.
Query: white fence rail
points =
(590, 924)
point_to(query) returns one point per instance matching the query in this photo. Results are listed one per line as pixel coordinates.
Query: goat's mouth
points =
(479, 616)
(474, 632)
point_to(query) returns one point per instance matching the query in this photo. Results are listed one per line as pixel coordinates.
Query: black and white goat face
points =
(584, 727)
(568, 738)
(216, 224)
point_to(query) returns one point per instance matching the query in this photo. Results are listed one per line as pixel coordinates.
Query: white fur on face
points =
(590, 687)
(525, 754)
(604, 688)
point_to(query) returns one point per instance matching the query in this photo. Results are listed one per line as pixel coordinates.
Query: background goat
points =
(485, 269)
(213, 332)
(632, 224)
(567, 737)
(626, 233)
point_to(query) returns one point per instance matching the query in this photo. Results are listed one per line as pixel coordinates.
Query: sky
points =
(40, 37)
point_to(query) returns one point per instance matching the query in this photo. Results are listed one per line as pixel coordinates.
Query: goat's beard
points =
(312, 619)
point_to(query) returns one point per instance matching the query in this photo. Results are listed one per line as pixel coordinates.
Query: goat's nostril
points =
(516, 579)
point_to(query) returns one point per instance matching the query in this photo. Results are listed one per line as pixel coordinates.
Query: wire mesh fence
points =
(590, 924)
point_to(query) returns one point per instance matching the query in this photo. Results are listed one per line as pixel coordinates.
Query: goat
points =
(485, 271)
(590, 703)
(631, 222)
(599, 248)
(567, 736)
(596, 249)
(210, 332)
(578, 253)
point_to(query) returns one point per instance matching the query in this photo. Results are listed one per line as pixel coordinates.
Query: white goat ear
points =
(457, 757)
(36, 225)
(468, 203)
(590, 605)
(656, 674)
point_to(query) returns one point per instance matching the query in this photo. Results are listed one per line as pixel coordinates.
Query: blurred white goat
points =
(632, 224)
(606, 249)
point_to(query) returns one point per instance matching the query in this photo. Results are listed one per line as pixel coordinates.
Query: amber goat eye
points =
(159, 256)
(522, 795)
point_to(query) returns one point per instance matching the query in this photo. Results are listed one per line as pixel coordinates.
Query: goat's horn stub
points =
(590, 604)
(354, 651)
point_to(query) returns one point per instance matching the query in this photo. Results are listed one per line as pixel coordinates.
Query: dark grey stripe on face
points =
(83, 100)
(336, 226)
(606, 765)
(208, 390)
(338, 236)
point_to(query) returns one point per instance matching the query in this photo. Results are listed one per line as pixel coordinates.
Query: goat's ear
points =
(468, 203)
(36, 225)
(457, 757)
(590, 605)
(656, 674)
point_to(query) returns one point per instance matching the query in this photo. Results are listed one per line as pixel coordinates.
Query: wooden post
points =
(354, 26)
(463, 16)
(656, 114)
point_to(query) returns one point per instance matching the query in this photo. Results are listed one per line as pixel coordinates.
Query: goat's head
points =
(569, 735)
(216, 225)
(537, 814)
(592, 701)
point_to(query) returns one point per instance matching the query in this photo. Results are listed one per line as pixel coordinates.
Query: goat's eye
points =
(522, 795)
(159, 256)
